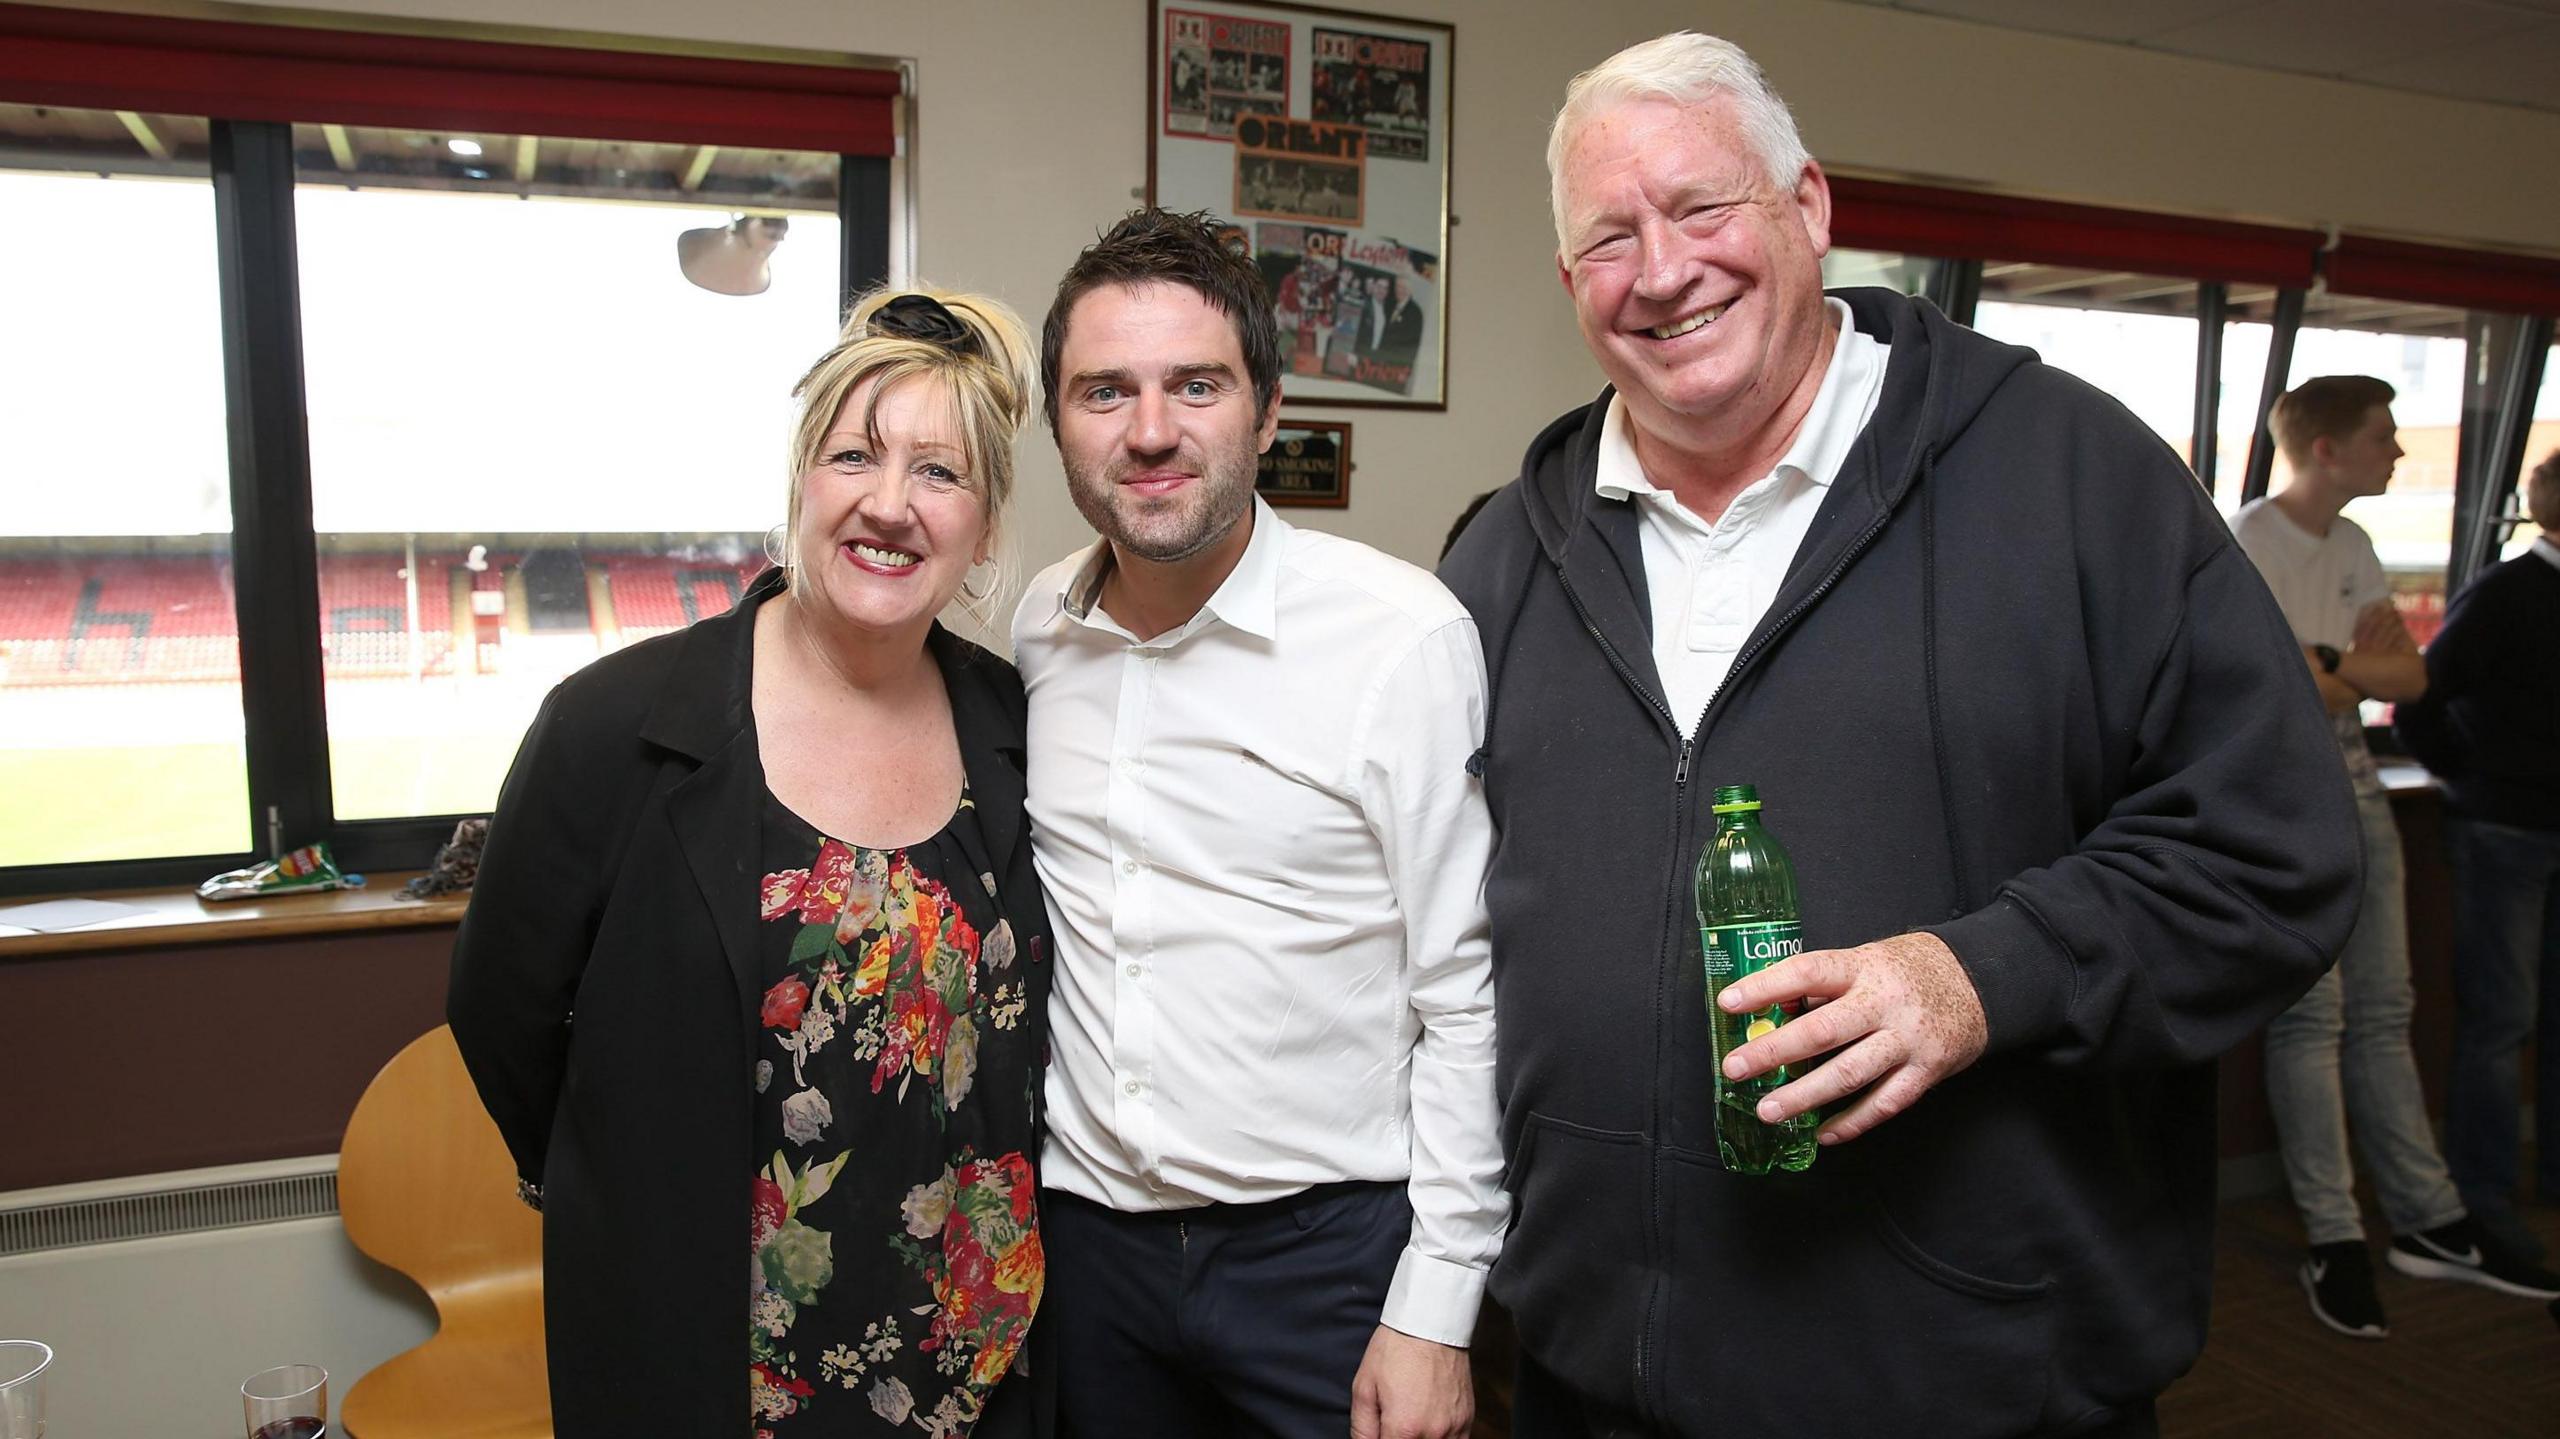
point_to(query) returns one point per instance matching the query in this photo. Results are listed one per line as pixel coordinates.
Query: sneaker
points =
(2463, 1250)
(2338, 1279)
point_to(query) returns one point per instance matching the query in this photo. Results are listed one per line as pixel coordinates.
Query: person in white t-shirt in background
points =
(2340, 1057)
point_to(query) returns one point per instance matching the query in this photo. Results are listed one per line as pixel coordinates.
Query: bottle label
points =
(1734, 950)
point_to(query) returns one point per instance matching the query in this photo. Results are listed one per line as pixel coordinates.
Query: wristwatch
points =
(2329, 657)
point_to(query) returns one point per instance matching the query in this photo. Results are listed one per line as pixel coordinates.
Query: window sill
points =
(174, 917)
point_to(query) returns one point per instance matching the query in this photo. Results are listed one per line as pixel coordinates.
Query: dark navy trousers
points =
(1230, 1319)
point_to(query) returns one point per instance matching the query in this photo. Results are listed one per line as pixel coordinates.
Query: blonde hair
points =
(1689, 69)
(989, 391)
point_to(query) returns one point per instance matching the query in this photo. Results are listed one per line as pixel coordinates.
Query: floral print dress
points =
(895, 1246)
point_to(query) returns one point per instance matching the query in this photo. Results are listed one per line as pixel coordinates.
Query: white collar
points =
(1822, 441)
(1247, 599)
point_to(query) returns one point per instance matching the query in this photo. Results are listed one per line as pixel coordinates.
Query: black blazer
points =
(619, 887)
(1400, 340)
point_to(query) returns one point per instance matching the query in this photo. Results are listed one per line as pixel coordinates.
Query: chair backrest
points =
(426, 1186)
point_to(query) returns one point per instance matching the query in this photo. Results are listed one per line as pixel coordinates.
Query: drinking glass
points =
(22, 1366)
(289, 1402)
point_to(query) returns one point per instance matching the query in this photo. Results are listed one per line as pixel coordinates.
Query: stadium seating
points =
(73, 618)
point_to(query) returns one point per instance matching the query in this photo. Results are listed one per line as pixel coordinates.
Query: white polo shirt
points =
(1711, 583)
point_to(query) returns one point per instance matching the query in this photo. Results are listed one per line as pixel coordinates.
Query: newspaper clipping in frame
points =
(1350, 307)
(1381, 83)
(1219, 67)
(1299, 169)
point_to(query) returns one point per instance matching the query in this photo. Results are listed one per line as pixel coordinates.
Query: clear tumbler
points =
(23, 1363)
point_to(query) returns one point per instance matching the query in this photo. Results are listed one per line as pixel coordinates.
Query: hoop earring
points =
(774, 549)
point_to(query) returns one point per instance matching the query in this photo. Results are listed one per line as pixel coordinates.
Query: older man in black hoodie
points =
(2045, 756)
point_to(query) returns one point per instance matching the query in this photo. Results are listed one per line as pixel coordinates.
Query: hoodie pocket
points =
(1572, 1272)
(1798, 1306)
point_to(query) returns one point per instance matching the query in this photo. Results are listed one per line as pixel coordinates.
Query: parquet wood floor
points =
(2462, 1362)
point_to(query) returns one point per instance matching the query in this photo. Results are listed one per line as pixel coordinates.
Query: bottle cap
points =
(1736, 799)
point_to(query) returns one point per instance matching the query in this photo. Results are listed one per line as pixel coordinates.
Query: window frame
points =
(2513, 299)
(58, 57)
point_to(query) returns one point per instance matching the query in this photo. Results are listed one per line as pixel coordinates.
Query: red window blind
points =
(2431, 274)
(232, 71)
(1958, 224)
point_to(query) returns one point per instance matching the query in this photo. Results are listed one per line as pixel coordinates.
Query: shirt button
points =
(1128, 866)
(1131, 971)
(1133, 1086)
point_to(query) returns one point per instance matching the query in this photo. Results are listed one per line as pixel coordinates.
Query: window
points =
(2182, 318)
(2247, 333)
(120, 717)
(491, 517)
(344, 422)
(2133, 336)
(1907, 273)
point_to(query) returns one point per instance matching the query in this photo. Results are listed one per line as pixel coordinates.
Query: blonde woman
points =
(754, 977)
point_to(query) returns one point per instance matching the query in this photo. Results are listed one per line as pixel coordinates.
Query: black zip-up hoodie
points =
(2019, 689)
(2489, 723)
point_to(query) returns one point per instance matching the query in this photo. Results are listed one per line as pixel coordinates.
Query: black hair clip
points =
(926, 319)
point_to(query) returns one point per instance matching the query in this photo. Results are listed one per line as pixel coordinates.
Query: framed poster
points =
(1321, 139)
(1309, 463)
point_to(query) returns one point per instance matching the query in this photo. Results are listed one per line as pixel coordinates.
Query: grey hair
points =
(1689, 69)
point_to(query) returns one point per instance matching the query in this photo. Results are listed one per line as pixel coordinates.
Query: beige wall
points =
(1030, 136)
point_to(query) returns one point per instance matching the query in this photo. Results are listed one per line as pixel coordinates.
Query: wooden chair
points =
(425, 1186)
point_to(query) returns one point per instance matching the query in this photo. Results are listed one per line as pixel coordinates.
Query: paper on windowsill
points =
(52, 916)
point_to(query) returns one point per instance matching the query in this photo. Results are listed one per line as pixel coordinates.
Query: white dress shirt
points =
(1711, 583)
(1265, 866)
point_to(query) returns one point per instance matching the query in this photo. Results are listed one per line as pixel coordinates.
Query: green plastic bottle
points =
(1747, 922)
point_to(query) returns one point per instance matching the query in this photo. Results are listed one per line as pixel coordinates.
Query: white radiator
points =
(159, 1294)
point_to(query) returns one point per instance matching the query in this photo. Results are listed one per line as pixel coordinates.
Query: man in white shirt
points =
(1272, 1175)
(2340, 1057)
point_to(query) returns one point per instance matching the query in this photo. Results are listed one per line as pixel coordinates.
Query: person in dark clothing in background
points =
(2053, 775)
(2490, 729)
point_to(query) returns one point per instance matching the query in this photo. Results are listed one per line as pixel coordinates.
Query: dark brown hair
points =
(2328, 408)
(1160, 247)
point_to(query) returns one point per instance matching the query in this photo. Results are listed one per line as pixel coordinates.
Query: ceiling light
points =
(467, 149)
